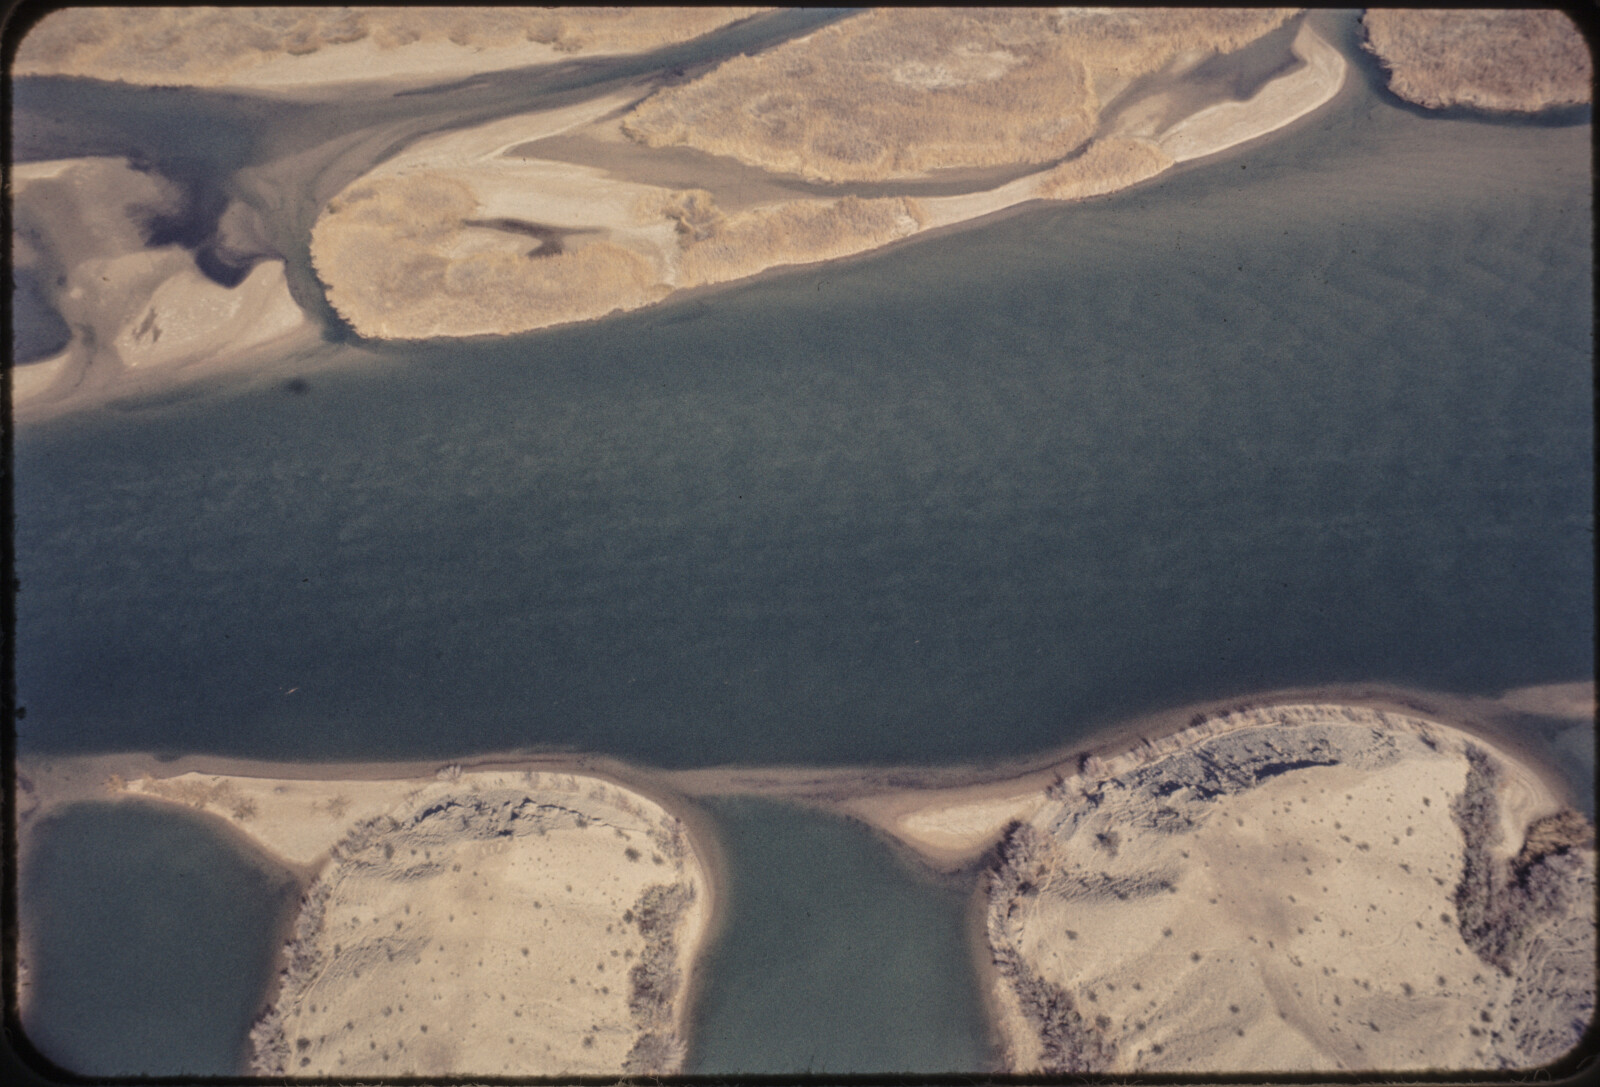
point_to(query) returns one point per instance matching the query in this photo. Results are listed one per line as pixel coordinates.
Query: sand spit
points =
(1575, 701)
(1281, 102)
(280, 48)
(435, 242)
(1513, 61)
(140, 316)
(1307, 887)
(493, 922)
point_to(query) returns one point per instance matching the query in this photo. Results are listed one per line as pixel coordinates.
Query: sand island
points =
(1520, 61)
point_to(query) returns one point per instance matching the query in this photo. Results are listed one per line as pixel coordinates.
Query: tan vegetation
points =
(1520, 60)
(206, 46)
(1105, 166)
(434, 242)
(898, 92)
(720, 248)
(391, 253)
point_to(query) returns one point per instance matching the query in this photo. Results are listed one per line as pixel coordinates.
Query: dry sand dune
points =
(1516, 61)
(278, 47)
(496, 922)
(1312, 887)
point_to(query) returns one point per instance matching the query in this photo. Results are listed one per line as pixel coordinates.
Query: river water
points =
(1315, 411)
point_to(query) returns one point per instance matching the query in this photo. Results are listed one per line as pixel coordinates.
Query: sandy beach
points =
(500, 921)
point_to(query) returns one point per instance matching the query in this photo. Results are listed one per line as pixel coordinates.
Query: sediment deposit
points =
(137, 313)
(1515, 61)
(434, 242)
(1308, 888)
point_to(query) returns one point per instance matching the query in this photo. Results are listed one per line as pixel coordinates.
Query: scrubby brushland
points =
(896, 92)
(720, 248)
(1295, 889)
(401, 261)
(202, 46)
(1106, 165)
(1517, 61)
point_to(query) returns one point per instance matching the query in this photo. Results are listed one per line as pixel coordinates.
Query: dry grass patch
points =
(898, 92)
(206, 45)
(1106, 166)
(719, 248)
(1519, 61)
(391, 253)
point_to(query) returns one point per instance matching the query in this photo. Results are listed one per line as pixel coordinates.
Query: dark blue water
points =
(1317, 415)
(836, 956)
(155, 940)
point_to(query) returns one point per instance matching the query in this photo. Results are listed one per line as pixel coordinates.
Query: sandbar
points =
(142, 318)
(461, 265)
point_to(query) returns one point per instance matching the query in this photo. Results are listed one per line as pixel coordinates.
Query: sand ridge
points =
(1291, 882)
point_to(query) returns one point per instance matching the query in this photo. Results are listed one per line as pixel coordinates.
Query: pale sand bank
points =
(1312, 887)
(1513, 61)
(510, 921)
(1571, 700)
(277, 48)
(1278, 104)
(141, 318)
(461, 265)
